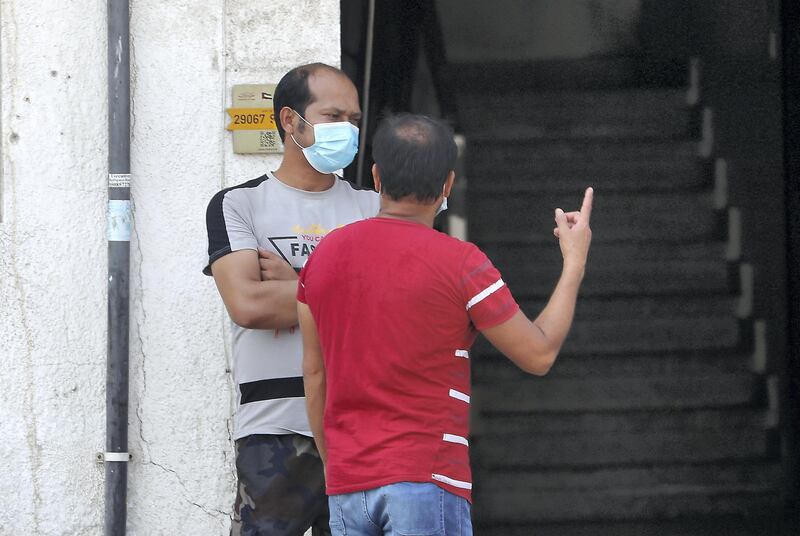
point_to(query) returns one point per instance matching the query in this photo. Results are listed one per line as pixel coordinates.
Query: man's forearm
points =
(266, 305)
(555, 319)
(254, 301)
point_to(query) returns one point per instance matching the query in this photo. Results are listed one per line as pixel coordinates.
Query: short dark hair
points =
(414, 155)
(293, 91)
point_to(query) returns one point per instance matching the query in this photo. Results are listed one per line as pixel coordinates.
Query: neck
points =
(408, 211)
(297, 173)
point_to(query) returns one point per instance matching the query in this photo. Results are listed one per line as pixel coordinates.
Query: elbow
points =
(246, 317)
(542, 363)
(244, 321)
(541, 368)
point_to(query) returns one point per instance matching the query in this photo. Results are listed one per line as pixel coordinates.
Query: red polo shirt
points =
(397, 306)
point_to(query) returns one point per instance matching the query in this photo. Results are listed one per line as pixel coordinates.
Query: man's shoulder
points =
(241, 189)
(345, 234)
(451, 243)
(354, 191)
(457, 253)
(355, 188)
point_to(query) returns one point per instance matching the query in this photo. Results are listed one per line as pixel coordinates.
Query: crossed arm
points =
(258, 289)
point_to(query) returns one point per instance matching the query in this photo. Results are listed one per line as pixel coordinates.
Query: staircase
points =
(652, 421)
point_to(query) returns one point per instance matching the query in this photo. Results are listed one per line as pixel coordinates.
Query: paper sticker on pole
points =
(120, 220)
(119, 180)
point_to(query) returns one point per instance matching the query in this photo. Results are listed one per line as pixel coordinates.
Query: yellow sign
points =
(251, 119)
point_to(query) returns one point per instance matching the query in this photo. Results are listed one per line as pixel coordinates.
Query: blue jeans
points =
(402, 509)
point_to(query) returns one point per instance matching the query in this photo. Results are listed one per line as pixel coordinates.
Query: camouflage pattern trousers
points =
(281, 489)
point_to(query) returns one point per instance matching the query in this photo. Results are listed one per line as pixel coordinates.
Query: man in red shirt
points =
(388, 389)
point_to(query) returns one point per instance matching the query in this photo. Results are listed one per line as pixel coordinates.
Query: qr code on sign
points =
(269, 139)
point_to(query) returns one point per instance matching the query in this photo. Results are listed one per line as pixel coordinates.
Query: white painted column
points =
(185, 58)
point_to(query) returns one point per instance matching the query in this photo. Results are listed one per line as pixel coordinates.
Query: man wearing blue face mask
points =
(260, 234)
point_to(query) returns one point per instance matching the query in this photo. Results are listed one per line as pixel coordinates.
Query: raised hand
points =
(274, 268)
(574, 234)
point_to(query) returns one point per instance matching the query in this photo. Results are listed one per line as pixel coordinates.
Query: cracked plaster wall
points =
(186, 55)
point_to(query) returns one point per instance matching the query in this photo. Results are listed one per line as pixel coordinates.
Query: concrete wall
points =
(186, 55)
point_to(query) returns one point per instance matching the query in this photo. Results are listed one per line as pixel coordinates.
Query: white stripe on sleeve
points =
(482, 295)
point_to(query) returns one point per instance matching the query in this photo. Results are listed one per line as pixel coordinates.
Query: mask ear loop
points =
(443, 206)
(301, 117)
(306, 121)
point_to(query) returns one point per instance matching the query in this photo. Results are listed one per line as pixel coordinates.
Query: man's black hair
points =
(414, 155)
(293, 91)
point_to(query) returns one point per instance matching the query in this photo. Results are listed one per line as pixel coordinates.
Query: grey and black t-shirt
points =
(267, 213)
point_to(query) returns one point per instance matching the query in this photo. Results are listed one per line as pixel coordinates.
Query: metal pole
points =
(362, 144)
(118, 234)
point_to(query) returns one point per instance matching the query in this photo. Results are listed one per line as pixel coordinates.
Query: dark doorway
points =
(673, 405)
(406, 73)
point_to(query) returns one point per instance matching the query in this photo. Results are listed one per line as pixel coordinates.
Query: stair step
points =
(607, 394)
(591, 72)
(630, 308)
(619, 438)
(532, 269)
(656, 113)
(632, 177)
(491, 424)
(679, 218)
(627, 493)
(656, 334)
(731, 525)
(535, 167)
(756, 474)
(638, 324)
(484, 154)
(490, 366)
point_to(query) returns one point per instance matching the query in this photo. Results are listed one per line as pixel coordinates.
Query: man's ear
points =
(448, 183)
(286, 117)
(376, 178)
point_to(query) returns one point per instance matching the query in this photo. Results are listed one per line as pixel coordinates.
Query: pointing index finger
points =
(586, 207)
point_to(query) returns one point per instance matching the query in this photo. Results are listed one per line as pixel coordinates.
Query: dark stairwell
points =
(664, 415)
(656, 418)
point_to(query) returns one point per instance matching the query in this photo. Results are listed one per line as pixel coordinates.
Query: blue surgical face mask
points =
(335, 145)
